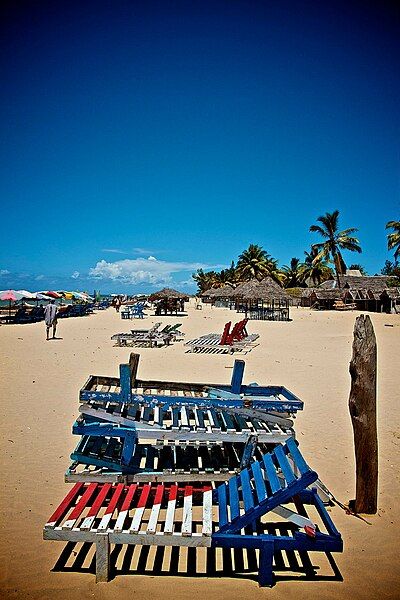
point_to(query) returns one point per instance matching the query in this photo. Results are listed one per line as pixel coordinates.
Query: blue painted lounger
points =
(145, 513)
(127, 388)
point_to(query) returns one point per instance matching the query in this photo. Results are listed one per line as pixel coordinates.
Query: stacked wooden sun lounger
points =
(153, 337)
(235, 515)
(235, 340)
(152, 454)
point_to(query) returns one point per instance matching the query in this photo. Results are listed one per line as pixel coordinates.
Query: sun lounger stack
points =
(152, 338)
(155, 430)
(262, 508)
(183, 464)
(235, 340)
(133, 312)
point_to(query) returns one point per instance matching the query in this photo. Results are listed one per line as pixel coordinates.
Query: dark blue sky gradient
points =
(187, 130)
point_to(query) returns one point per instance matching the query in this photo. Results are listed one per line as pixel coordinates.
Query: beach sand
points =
(40, 382)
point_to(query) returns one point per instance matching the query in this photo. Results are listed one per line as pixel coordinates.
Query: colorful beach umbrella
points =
(11, 295)
(52, 294)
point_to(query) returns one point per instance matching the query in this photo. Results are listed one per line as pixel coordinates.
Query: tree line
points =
(323, 261)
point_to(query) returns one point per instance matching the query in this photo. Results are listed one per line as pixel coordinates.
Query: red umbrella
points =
(52, 294)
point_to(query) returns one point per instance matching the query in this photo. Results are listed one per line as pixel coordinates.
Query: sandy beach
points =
(40, 382)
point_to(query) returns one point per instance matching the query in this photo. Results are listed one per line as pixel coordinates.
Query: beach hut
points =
(325, 299)
(169, 301)
(263, 300)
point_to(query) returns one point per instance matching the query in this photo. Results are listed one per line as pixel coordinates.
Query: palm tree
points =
(335, 241)
(205, 280)
(252, 263)
(255, 262)
(394, 238)
(292, 273)
(316, 270)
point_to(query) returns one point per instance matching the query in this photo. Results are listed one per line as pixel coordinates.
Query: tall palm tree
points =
(255, 262)
(394, 238)
(316, 270)
(292, 273)
(204, 280)
(335, 241)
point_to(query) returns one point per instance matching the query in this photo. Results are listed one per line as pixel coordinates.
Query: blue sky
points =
(142, 140)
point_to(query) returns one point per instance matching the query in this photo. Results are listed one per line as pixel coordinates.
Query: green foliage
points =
(394, 238)
(334, 241)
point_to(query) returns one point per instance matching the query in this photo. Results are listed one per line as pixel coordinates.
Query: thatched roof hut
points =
(245, 288)
(168, 294)
(377, 283)
(268, 289)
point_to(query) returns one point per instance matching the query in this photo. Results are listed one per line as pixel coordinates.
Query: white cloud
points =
(114, 251)
(4, 272)
(141, 270)
(75, 275)
(39, 277)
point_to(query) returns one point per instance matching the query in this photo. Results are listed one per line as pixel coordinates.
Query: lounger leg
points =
(102, 557)
(265, 564)
(127, 448)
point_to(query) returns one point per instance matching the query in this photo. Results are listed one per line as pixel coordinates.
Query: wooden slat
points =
(234, 498)
(79, 508)
(123, 513)
(152, 524)
(246, 490)
(169, 517)
(187, 511)
(111, 507)
(222, 505)
(297, 456)
(284, 465)
(141, 506)
(271, 474)
(207, 513)
(259, 481)
(96, 506)
(64, 506)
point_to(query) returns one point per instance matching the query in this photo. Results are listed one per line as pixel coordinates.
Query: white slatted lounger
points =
(214, 425)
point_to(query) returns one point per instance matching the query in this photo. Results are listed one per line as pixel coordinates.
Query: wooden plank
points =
(234, 498)
(271, 474)
(79, 508)
(237, 376)
(96, 506)
(169, 517)
(64, 506)
(187, 511)
(222, 505)
(284, 465)
(259, 481)
(207, 513)
(152, 524)
(141, 506)
(246, 490)
(123, 513)
(111, 507)
(298, 459)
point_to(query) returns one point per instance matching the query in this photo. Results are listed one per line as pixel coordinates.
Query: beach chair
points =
(237, 514)
(236, 340)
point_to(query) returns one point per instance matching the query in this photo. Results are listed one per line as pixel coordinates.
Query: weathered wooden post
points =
(362, 406)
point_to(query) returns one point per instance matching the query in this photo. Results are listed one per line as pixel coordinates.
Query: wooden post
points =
(362, 406)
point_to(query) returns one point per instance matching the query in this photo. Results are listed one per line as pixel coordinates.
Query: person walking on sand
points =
(50, 318)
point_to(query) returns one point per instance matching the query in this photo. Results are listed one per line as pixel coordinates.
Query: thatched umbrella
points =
(268, 289)
(168, 294)
(224, 292)
(245, 288)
